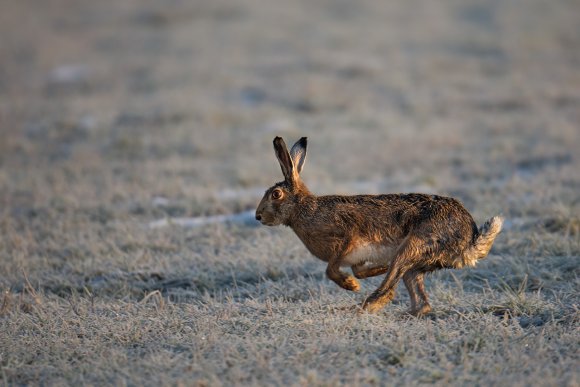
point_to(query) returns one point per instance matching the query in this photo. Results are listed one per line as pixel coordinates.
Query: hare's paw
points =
(377, 300)
(373, 306)
(421, 311)
(350, 283)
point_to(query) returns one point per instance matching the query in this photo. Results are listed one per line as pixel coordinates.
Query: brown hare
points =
(402, 235)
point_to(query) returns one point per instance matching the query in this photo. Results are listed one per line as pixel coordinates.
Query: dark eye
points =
(276, 194)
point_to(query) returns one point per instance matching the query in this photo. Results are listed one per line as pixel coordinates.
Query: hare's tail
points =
(480, 248)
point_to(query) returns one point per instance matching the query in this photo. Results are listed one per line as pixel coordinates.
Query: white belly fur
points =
(370, 253)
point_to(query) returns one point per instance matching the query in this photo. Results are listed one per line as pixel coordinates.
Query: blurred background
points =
(121, 101)
(114, 112)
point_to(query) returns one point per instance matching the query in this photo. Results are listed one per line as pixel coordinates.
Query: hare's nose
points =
(258, 217)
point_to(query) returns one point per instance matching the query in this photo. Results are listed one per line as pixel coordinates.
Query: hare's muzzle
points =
(258, 217)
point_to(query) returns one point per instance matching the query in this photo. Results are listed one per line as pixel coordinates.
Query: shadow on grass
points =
(181, 288)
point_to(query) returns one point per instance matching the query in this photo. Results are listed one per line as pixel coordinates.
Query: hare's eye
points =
(277, 194)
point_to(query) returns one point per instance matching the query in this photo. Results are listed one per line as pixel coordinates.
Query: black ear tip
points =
(303, 141)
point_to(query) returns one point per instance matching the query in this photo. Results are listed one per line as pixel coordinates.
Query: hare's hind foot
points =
(424, 310)
(416, 287)
(375, 302)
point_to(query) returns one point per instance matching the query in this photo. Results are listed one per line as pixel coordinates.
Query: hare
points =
(403, 236)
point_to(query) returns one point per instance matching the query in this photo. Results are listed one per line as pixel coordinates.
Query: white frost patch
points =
(230, 194)
(160, 201)
(70, 73)
(280, 125)
(246, 217)
(519, 223)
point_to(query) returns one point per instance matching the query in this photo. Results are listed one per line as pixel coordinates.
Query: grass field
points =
(121, 120)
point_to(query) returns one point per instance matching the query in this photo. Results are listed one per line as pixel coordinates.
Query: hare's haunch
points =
(402, 235)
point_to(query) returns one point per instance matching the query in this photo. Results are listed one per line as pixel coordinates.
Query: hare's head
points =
(279, 202)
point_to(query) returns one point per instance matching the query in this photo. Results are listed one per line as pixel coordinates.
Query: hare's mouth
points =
(267, 222)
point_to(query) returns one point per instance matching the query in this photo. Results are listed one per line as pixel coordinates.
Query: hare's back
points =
(394, 216)
(441, 222)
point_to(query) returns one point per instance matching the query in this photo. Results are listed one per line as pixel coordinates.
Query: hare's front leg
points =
(361, 271)
(343, 280)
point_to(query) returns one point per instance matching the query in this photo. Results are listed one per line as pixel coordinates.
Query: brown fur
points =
(402, 235)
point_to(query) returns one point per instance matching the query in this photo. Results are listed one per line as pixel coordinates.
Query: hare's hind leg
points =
(425, 307)
(408, 254)
(409, 278)
(419, 301)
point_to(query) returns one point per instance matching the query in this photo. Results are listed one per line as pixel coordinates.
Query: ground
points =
(120, 120)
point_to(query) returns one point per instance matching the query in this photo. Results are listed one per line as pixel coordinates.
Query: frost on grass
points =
(246, 218)
(97, 287)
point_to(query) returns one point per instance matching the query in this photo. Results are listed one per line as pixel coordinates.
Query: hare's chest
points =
(371, 253)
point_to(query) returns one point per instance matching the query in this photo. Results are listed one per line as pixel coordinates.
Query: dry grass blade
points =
(156, 297)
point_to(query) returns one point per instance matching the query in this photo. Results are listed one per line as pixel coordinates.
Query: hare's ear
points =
(298, 154)
(284, 159)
